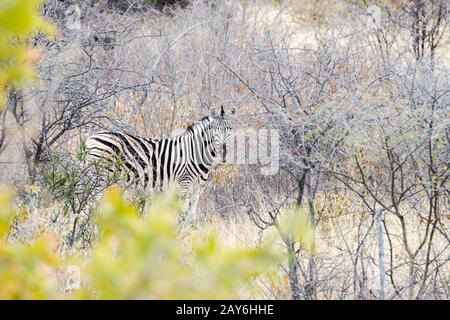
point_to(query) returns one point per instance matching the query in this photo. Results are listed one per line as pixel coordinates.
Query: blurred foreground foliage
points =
(26, 270)
(145, 258)
(134, 258)
(297, 226)
(19, 19)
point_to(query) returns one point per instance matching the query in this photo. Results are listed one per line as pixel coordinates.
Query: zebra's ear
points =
(213, 112)
(232, 111)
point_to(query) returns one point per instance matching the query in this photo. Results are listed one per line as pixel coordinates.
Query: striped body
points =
(153, 164)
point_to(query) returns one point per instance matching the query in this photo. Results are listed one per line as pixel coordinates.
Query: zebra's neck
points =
(202, 133)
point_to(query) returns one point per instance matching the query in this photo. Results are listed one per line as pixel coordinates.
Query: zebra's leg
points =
(191, 212)
(148, 198)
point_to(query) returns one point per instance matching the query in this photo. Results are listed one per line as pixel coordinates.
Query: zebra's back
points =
(146, 163)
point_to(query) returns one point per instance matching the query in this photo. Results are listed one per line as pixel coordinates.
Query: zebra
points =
(153, 164)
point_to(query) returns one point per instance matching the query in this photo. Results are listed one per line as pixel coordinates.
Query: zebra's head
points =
(222, 131)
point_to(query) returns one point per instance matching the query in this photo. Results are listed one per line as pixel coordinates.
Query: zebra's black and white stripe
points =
(153, 164)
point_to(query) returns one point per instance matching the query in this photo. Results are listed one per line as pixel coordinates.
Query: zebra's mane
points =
(195, 124)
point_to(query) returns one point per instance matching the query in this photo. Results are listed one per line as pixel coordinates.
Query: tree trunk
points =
(293, 272)
(380, 241)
